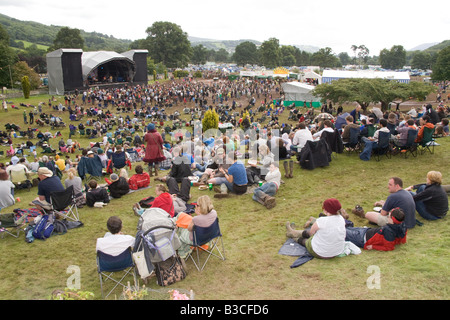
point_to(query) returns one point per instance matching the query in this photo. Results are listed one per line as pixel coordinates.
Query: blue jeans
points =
(420, 206)
(356, 236)
(369, 145)
(269, 188)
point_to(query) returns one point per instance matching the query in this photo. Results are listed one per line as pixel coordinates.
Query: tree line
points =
(169, 47)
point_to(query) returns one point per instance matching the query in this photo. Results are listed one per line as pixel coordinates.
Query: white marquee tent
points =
(298, 92)
(330, 75)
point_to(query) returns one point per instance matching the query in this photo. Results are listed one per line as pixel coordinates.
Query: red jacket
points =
(165, 202)
(139, 181)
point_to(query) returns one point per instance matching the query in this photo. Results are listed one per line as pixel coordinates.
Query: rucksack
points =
(44, 228)
(147, 202)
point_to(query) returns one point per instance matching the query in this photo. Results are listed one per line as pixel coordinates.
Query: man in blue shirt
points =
(48, 183)
(236, 177)
(398, 198)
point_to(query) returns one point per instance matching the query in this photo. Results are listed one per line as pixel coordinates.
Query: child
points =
(380, 238)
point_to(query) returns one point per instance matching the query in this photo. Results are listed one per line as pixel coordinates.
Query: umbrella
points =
(324, 116)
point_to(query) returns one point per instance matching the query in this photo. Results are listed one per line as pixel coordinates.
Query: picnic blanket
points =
(30, 213)
(293, 248)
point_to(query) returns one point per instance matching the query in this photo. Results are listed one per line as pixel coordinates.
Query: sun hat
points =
(45, 172)
(14, 160)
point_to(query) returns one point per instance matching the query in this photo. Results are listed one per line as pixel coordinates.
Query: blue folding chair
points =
(210, 235)
(107, 265)
(118, 160)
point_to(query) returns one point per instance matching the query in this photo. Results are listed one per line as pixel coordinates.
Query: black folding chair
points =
(354, 143)
(62, 200)
(384, 146)
(410, 145)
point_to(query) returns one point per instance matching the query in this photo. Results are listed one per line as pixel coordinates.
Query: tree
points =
(344, 58)
(245, 53)
(270, 53)
(210, 120)
(441, 69)
(421, 60)
(395, 58)
(199, 54)
(167, 43)
(26, 87)
(21, 69)
(67, 38)
(221, 55)
(367, 91)
(325, 58)
(7, 58)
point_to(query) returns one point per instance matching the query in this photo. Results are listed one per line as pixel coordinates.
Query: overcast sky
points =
(322, 23)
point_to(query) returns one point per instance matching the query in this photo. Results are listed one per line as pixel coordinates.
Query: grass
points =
(253, 235)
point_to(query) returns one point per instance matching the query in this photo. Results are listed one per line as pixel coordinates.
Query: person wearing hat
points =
(18, 173)
(326, 237)
(48, 183)
(103, 157)
(154, 149)
(118, 187)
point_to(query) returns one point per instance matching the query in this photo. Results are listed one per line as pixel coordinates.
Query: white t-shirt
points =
(114, 244)
(6, 198)
(329, 240)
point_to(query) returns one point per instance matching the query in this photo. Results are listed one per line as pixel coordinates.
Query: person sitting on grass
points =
(236, 177)
(179, 173)
(140, 179)
(96, 194)
(380, 238)
(398, 198)
(265, 193)
(118, 187)
(326, 237)
(430, 198)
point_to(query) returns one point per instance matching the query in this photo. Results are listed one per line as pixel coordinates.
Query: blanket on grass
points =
(293, 248)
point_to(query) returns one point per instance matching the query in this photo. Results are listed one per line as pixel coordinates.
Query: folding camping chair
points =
(334, 141)
(9, 225)
(62, 200)
(353, 145)
(411, 144)
(108, 265)
(384, 146)
(427, 142)
(210, 235)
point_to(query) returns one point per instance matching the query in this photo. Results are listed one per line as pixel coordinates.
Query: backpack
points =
(44, 228)
(146, 202)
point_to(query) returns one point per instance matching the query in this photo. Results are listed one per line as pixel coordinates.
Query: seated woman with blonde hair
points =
(205, 215)
(431, 199)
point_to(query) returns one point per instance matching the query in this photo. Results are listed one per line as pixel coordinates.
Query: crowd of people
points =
(243, 160)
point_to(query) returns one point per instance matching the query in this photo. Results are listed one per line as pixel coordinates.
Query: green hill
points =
(43, 35)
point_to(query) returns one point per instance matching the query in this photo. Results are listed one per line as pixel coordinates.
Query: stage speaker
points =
(64, 69)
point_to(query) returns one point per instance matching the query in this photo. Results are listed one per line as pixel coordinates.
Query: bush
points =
(210, 120)
(26, 88)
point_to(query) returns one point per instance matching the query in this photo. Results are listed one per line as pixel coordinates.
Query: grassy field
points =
(253, 269)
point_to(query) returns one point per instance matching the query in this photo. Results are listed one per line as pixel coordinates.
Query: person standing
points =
(153, 151)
